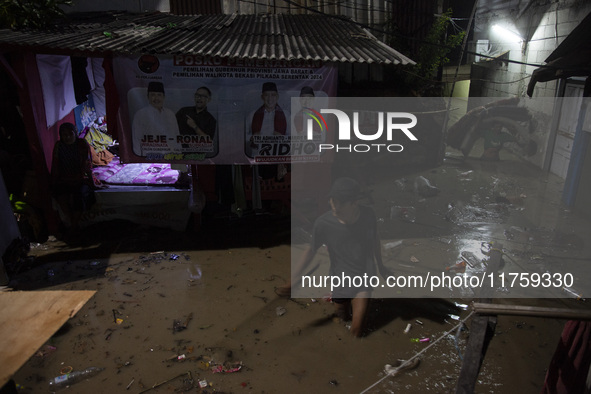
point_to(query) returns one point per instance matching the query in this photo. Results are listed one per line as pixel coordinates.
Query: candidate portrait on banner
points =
(154, 128)
(268, 126)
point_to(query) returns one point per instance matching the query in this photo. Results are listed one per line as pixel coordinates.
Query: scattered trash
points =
(188, 373)
(108, 333)
(68, 379)
(424, 188)
(227, 368)
(66, 370)
(280, 311)
(334, 382)
(392, 245)
(454, 317)
(203, 383)
(407, 329)
(45, 351)
(406, 214)
(459, 267)
(424, 340)
(414, 260)
(174, 256)
(419, 322)
(178, 325)
(401, 365)
(470, 258)
(95, 263)
(461, 306)
(573, 293)
(486, 247)
(130, 383)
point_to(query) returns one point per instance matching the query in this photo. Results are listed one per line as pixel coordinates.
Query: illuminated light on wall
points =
(507, 34)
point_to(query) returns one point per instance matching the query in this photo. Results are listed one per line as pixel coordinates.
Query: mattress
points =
(154, 174)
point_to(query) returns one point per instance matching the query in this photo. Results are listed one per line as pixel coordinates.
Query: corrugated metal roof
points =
(263, 36)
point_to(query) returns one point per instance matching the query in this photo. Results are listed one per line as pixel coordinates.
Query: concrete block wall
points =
(543, 25)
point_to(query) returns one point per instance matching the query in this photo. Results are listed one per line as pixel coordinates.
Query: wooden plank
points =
(28, 319)
(473, 356)
(481, 332)
(536, 311)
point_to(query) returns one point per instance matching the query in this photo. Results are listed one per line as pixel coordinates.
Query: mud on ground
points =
(172, 307)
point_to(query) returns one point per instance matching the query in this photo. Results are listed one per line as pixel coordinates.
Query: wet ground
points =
(173, 307)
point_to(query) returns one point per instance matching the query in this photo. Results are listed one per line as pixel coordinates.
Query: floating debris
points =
(424, 188)
(459, 267)
(406, 214)
(470, 258)
(393, 244)
(280, 311)
(178, 325)
(227, 367)
(401, 365)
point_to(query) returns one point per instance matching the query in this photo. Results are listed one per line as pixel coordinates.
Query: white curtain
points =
(96, 76)
(58, 86)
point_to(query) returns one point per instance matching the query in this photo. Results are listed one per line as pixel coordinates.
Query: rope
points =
(418, 354)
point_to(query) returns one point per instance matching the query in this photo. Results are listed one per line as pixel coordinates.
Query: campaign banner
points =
(202, 110)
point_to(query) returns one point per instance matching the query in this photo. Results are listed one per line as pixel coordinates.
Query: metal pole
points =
(453, 85)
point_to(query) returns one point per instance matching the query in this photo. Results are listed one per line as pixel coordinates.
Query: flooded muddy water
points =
(175, 311)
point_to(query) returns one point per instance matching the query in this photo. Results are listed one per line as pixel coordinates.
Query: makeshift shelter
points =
(120, 53)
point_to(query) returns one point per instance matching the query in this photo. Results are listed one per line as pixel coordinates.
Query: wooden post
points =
(195, 187)
(481, 332)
